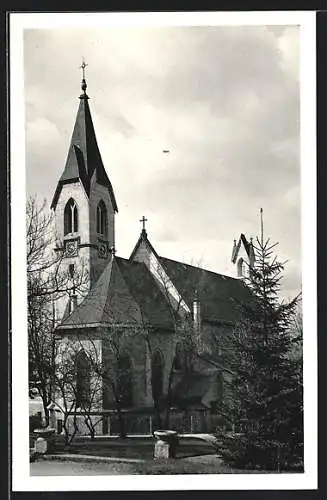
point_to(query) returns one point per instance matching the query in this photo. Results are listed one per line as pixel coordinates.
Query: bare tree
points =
(106, 349)
(46, 283)
(78, 388)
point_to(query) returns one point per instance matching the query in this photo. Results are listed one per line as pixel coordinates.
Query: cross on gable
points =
(143, 220)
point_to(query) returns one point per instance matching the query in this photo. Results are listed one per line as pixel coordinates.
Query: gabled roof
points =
(125, 293)
(84, 160)
(144, 288)
(219, 295)
(108, 302)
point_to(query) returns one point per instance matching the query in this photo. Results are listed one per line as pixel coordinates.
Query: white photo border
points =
(21, 479)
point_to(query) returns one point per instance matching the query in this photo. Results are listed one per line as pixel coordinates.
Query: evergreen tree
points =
(263, 399)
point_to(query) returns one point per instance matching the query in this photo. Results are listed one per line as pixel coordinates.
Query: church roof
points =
(219, 295)
(126, 294)
(84, 159)
(155, 309)
(108, 302)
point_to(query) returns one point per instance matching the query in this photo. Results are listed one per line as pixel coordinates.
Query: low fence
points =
(108, 423)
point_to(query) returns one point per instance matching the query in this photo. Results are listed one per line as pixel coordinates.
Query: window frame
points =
(102, 218)
(70, 217)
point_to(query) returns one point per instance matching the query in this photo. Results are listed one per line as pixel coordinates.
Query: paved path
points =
(55, 468)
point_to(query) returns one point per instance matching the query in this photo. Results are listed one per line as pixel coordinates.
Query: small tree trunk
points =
(168, 401)
(45, 407)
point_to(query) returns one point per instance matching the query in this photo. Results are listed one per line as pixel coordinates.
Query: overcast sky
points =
(223, 100)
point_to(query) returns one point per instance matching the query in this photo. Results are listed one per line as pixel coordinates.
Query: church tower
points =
(84, 202)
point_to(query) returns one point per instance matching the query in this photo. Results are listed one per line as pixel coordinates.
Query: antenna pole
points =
(261, 225)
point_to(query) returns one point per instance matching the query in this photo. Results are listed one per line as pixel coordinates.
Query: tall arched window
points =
(101, 218)
(125, 384)
(70, 217)
(157, 376)
(240, 267)
(83, 379)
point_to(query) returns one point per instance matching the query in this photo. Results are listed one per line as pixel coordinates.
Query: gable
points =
(243, 248)
(144, 252)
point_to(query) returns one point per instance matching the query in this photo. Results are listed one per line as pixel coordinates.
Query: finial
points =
(143, 220)
(84, 85)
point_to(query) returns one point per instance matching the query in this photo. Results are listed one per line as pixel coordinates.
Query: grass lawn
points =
(138, 447)
(199, 465)
(194, 456)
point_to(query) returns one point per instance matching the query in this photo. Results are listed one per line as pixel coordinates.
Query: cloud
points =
(223, 100)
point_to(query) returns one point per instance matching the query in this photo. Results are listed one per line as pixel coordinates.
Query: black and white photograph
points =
(163, 250)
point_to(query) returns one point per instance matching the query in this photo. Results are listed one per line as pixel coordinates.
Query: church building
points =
(143, 315)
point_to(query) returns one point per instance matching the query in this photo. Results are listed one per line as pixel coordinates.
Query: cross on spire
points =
(84, 85)
(83, 66)
(143, 220)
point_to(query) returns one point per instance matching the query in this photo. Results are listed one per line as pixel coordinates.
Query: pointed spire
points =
(84, 159)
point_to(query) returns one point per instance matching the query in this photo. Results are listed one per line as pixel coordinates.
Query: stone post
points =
(45, 438)
(166, 444)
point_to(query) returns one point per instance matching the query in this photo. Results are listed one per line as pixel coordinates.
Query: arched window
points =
(240, 267)
(83, 379)
(70, 217)
(157, 376)
(101, 218)
(125, 384)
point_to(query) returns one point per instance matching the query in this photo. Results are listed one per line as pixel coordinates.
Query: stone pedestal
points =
(40, 446)
(166, 444)
(45, 440)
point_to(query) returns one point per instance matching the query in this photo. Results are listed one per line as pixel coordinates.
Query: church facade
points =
(155, 326)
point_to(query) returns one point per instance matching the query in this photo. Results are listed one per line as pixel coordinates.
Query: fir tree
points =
(263, 399)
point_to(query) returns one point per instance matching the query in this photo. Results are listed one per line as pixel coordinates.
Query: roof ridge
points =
(198, 267)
